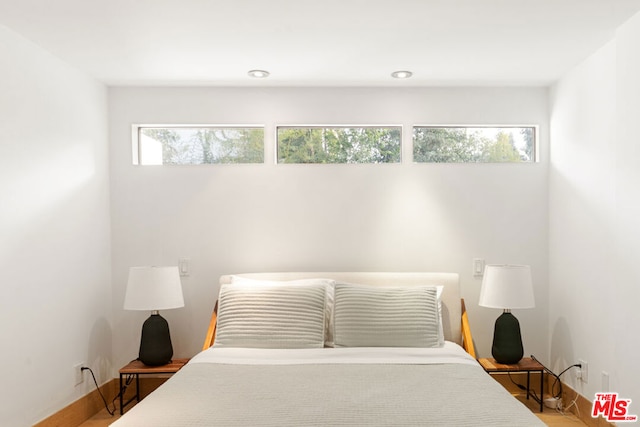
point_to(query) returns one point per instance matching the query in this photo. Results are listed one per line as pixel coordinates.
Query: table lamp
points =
(507, 287)
(154, 288)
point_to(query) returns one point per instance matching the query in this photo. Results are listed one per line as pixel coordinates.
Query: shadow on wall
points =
(561, 349)
(100, 350)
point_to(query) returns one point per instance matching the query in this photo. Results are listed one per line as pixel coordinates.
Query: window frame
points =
(136, 147)
(399, 127)
(536, 140)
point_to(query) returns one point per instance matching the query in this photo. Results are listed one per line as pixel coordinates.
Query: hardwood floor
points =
(101, 419)
(549, 417)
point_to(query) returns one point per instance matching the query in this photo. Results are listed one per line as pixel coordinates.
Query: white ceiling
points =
(319, 42)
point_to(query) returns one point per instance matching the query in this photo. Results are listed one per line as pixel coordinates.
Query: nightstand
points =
(137, 368)
(527, 365)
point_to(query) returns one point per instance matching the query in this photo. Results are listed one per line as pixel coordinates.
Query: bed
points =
(334, 349)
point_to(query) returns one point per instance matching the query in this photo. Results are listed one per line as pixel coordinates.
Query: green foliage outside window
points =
(473, 145)
(207, 145)
(339, 144)
(180, 145)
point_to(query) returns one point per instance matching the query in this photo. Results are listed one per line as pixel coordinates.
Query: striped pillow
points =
(368, 316)
(328, 306)
(271, 316)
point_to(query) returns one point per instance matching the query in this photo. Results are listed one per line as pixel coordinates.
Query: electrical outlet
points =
(583, 373)
(77, 372)
(605, 382)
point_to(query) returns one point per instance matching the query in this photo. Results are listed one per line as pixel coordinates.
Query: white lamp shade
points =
(153, 288)
(507, 287)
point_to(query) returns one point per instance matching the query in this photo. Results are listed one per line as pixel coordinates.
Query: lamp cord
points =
(557, 377)
(553, 386)
(128, 381)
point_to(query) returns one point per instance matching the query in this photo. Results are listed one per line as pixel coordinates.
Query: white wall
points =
(54, 231)
(267, 217)
(594, 231)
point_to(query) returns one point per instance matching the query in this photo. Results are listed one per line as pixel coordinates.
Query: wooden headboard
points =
(454, 320)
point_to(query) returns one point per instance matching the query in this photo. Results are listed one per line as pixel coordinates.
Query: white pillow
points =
(328, 327)
(366, 316)
(262, 314)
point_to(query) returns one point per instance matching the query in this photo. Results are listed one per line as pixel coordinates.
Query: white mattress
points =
(330, 387)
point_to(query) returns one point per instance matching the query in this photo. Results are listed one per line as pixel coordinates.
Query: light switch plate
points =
(478, 267)
(183, 266)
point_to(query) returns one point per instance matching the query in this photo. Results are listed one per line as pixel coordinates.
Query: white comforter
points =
(330, 387)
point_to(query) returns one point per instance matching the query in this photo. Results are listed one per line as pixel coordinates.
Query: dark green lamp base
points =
(507, 340)
(155, 343)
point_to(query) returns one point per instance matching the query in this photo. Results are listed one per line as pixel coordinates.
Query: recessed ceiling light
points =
(401, 74)
(258, 74)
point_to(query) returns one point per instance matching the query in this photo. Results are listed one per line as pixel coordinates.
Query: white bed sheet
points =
(449, 353)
